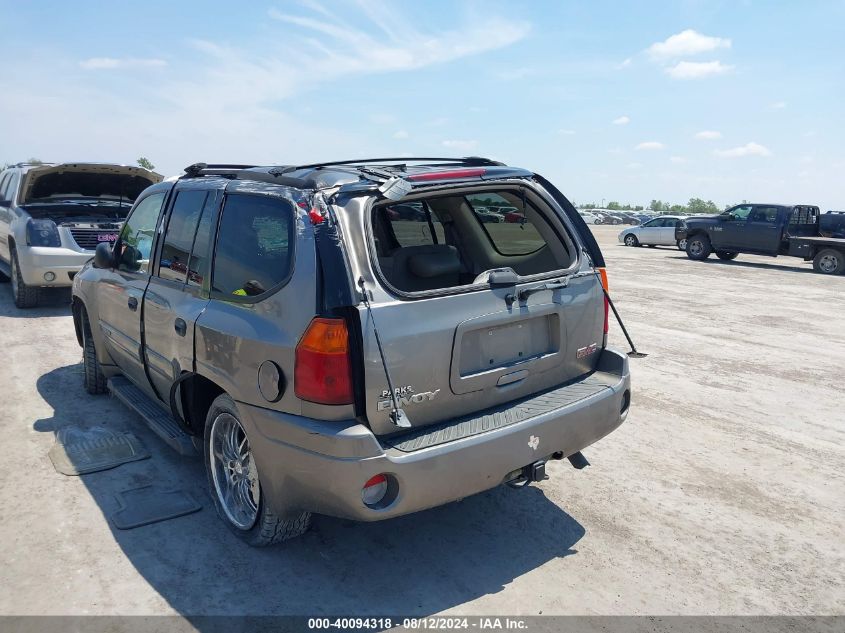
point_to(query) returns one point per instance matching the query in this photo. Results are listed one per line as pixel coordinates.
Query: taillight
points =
(323, 371)
(603, 274)
(450, 174)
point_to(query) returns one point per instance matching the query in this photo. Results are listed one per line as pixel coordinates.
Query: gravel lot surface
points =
(723, 493)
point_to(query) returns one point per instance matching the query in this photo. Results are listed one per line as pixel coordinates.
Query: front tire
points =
(25, 296)
(234, 483)
(829, 262)
(698, 247)
(95, 380)
(631, 240)
(726, 255)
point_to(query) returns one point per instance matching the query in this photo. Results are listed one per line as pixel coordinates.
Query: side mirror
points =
(103, 257)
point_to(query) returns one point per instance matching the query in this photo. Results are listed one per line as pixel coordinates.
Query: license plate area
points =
(491, 347)
(498, 346)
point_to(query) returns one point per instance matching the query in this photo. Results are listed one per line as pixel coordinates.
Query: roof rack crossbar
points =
(467, 160)
(200, 169)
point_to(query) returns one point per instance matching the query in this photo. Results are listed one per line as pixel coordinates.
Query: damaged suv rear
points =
(355, 339)
(53, 216)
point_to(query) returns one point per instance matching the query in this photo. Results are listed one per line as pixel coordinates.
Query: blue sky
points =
(629, 102)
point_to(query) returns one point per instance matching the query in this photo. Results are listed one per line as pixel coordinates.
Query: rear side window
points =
(136, 236)
(254, 245)
(413, 224)
(510, 232)
(764, 214)
(179, 235)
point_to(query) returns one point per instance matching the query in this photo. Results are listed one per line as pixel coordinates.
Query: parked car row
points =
(603, 216)
(356, 339)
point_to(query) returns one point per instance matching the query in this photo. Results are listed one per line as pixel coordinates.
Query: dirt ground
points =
(723, 492)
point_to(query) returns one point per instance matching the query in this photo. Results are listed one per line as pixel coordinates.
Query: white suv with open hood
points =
(53, 216)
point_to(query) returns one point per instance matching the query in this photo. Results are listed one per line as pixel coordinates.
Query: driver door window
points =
(136, 237)
(740, 214)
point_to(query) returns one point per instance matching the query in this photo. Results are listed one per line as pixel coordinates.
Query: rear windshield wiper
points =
(523, 294)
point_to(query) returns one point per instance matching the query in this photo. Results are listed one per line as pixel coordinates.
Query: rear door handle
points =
(180, 326)
(132, 302)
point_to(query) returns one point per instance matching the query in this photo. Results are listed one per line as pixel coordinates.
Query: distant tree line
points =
(695, 205)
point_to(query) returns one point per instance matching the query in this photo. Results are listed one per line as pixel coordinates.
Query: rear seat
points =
(426, 267)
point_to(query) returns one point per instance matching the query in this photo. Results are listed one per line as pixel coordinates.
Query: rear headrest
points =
(435, 260)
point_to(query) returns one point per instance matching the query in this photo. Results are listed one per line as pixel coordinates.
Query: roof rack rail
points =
(470, 161)
(202, 169)
(28, 164)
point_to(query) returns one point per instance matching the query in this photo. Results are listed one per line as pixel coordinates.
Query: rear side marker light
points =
(322, 372)
(374, 490)
(451, 174)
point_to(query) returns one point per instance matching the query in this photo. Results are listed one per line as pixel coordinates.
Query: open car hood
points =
(85, 180)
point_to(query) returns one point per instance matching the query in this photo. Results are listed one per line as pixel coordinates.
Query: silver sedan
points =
(657, 232)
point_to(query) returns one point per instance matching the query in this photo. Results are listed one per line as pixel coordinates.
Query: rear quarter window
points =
(254, 252)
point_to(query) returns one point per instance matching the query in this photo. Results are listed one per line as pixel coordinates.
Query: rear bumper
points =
(321, 467)
(36, 261)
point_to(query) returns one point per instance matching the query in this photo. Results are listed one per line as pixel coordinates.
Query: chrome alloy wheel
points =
(829, 264)
(696, 247)
(233, 471)
(682, 244)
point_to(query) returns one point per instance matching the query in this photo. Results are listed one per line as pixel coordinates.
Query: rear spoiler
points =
(586, 234)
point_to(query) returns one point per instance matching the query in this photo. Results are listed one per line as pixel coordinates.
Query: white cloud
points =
(334, 47)
(650, 145)
(708, 135)
(616, 151)
(110, 63)
(677, 160)
(566, 132)
(400, 134)
(460, 145)
(688, 42)
(697, 70)
(778, 105)
(623, 120)
(749, 149)
(625, 64)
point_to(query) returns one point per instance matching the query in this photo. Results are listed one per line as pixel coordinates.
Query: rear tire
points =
(25, 296)
(631, 240)
(681, 244)
(95, 380)
(829, 262)
(726, 255)
(698, 247)
(246, 513)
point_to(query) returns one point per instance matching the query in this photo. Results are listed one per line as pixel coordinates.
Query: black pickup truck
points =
(764, 229)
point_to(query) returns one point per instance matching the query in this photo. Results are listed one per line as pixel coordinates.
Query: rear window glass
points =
(510, 232)
(452, 240)
(254, 245)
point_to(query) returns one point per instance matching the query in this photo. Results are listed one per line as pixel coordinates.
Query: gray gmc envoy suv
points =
(351, 338)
